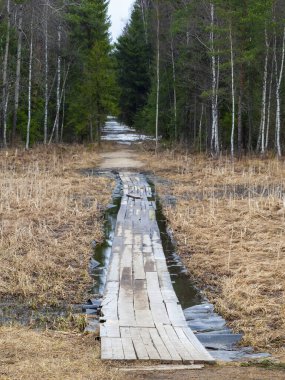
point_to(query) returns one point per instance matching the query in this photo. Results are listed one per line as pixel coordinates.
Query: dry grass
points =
(229, 226)
(27, 355)
(49, 215)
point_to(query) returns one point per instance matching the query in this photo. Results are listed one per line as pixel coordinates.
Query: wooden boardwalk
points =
(141, 315)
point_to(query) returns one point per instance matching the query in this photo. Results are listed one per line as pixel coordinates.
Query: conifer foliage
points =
(211, 70)
(57, 70)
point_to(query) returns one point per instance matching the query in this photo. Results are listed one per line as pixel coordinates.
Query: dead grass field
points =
(49, 215)
(28, 354)
(229, 226)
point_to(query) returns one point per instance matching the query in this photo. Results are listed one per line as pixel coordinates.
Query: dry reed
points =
(229, 226)
(50, 213)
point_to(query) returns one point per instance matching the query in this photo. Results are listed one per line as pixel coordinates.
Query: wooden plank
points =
(128, 348)
(183, 353)
(168, 343)
(159, 345)
(106, 348)
(114, 268)
(176, 315)
(117, 349)
(159, 313)
(195, 354)
(138, 344)
(198, 345)
(110, 329)
(138, 265)
(143, 318)
(163, 368)
(149, 346)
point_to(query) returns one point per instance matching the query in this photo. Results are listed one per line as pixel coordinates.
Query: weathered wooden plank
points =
(138, 265)
(117, 349)
(138, 344)
(188, 344)
(168, 343)
(106, 348)
(149, 346)
(143, 318)
(198, 345)
(176, 315)
(183, 353)
(159, 313)
(159, 345)
(128, 348)
(110, 329)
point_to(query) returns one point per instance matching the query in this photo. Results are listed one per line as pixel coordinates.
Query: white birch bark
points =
(264, 93)
(18, 73)
(269, 108)
(215, 84)
(30, 88)
(60, 101)
(46, 75)
(5, 75)
(279, 76)
(58, 84)
(233, 96)
(157, 77)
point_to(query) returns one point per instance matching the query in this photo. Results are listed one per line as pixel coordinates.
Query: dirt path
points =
(120, 159)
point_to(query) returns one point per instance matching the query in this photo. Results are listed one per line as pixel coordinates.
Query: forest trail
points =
(141, 315)
(120, 159)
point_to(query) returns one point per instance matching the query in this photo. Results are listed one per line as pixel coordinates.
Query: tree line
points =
(208, 74)
(58, 78)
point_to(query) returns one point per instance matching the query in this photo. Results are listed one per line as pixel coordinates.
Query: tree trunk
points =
(30, 88)
(46, 75)
(215, 85)
(5, 76)
(18, 74)
(200, 129)
(278, 100)
(157, 76)
(58, 108)
(269, 108)
(58, 84)
(174, 89)
(233, 96)
(263, 105)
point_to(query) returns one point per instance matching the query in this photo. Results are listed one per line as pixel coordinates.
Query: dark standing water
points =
(209, 327)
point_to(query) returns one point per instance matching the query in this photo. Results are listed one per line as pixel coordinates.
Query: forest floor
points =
(227, 220)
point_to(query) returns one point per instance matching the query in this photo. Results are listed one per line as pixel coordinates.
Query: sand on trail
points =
(120, 159)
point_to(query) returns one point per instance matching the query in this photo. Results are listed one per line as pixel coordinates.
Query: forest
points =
(204, 74)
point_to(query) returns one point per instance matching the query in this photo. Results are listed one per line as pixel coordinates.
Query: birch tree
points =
(30, 83)
(215, 85)
(278, 78)
(18, 72)
(5, 74)
(157, 72)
